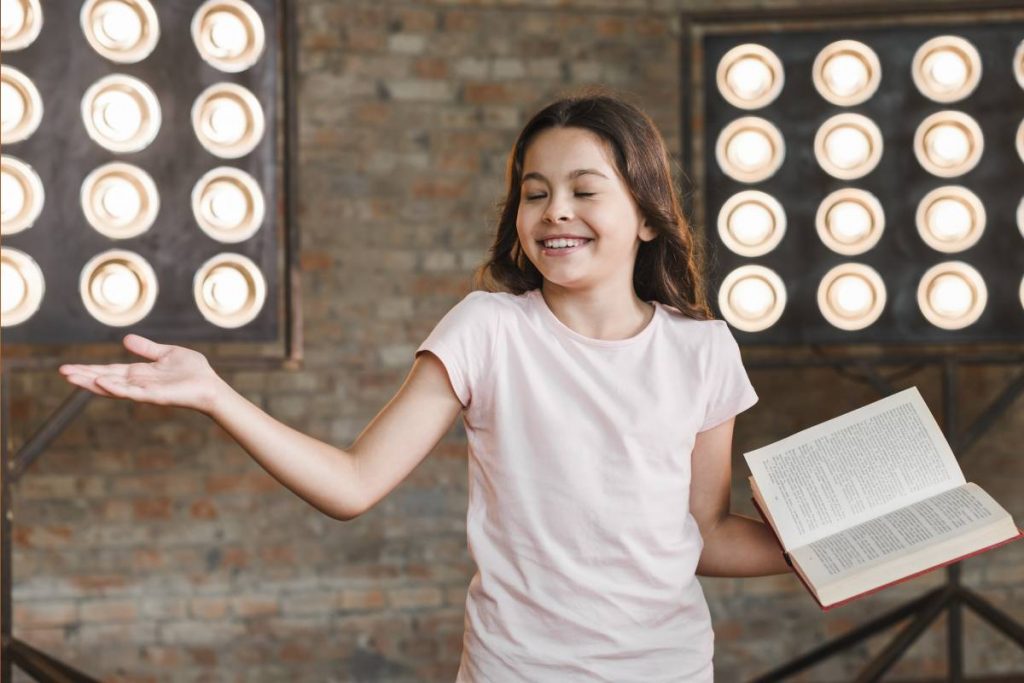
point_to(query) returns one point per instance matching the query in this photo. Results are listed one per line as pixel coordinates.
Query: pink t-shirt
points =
(579, 479)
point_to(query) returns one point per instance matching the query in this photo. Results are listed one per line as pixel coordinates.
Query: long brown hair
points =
(668, 268)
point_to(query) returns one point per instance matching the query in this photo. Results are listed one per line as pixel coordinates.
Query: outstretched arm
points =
(340, 483)
(734, 545)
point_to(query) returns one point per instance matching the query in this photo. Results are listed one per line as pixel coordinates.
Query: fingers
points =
(146, 348)
(88, 383)
(119, 388)
(119, 369)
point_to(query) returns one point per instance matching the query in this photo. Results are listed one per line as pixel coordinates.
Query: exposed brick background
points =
(148, 545)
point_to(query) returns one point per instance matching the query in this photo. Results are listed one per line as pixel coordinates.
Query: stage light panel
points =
(21, 108)
(228, 120)
(900, 218)
(21, 286)
(21, 195)
(123, 166)
(848, 146)
(228, 204)
(752, 298)
(123, 31)
(950, 219)
(120, 200)
(751, 223)
(750, 76)
(946, 69)
(229, 290)
(847, 72)
(228, 34)
(948, 143)
(750, 149)
(20, 23)
(850, 221)
(952, 295)
(121, 113)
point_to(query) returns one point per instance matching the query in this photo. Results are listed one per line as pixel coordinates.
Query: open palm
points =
(177, 376)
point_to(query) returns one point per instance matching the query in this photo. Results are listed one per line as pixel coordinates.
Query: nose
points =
(558, 210)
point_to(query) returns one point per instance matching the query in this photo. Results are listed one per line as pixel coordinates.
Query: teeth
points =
(562, 243)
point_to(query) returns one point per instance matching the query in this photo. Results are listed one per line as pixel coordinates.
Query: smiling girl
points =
(598, 398)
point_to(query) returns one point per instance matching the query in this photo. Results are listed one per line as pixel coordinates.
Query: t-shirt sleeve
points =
(463, 340)
(729, 389)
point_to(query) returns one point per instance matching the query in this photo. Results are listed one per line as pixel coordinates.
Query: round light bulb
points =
(849, 221)
(227, 33)
(228, 204)
(949, 144)
(12, 106)
(227, 121)
(12, 195)
(12, 17)
(751, 223)
(117, 287)
(752, 297)
(121, 200)
(749, 77)
(228, 289)
(12, 287)
(847, 147)
(120, 115)
(951, 296)
(947, 68)
(120, 24)
(949, 219)
(750, 149)
(853, 295)
(845, 74)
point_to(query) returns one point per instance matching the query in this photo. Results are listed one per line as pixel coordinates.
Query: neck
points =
(607, 313)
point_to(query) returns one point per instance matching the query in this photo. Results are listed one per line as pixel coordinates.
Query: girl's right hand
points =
(177, 377)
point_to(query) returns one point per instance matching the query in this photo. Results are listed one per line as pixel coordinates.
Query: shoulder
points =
(693, 330)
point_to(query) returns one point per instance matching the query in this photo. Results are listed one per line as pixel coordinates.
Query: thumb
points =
(146, 348)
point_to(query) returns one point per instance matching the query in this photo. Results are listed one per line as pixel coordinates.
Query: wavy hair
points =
(668, 268)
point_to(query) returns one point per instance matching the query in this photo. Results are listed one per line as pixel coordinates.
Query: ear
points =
(646, 232)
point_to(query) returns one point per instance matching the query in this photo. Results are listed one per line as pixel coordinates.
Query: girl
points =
(598, 398)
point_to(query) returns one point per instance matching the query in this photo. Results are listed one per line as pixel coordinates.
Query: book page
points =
(942, 520)
(851, 468)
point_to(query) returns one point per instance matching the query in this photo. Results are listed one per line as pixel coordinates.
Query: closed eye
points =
(531, 197)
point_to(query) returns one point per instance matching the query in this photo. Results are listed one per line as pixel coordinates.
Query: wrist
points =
(216, 395)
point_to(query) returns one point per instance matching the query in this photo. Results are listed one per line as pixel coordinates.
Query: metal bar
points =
(984, 421)
(881, 385)
(50, 430)
(753, 362)
(994, 616)
(867, 9)
(850, 639)
(898, 645)
(293, 282)
(5, 528)
(954, 630)
(43, 667)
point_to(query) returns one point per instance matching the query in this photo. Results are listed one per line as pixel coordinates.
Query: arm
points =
(734, 545)
(345, 483)
(341, 484)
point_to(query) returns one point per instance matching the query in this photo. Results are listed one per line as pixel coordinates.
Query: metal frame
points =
(953, 596)
(39, 665)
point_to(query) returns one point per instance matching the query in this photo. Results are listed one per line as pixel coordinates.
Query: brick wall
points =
(148, 546)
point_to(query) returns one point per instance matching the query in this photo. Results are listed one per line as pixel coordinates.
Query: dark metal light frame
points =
(801, 260)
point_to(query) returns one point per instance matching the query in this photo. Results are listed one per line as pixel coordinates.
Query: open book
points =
(871, 498)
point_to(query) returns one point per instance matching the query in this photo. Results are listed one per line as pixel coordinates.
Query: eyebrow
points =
(573, 174)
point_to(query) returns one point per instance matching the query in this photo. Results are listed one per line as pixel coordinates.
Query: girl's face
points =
(571, 189)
